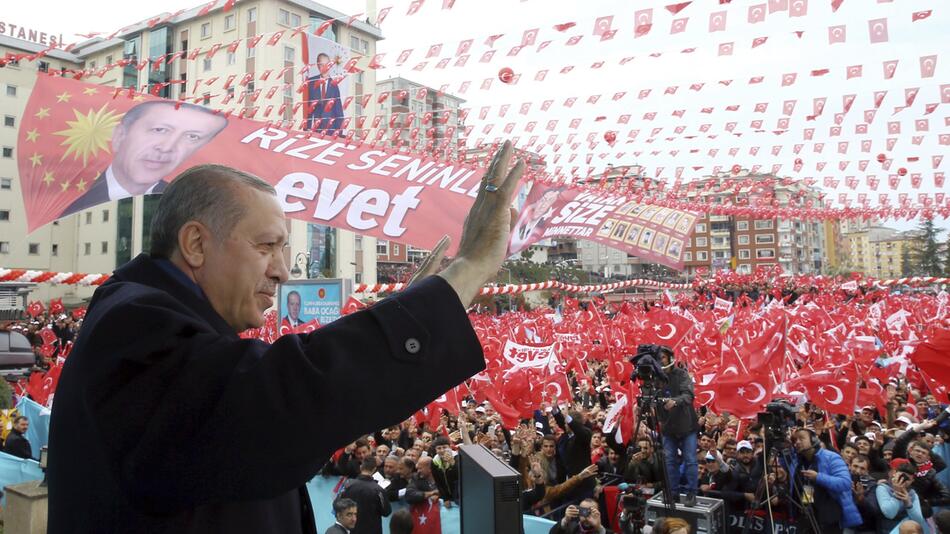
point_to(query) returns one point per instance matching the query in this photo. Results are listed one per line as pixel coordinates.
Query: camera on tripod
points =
(647, 361)
(777, 419)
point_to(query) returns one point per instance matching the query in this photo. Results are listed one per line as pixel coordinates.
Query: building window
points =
(43, 66)
(88, 217)
(87, 249)
(701, 228)
(6, 184)
(9, 120)
(764, 239)
(354, 42)
(206, 30)
(206, 64)
(108, 60)
(742, 226)
(763, 224)
(105, 215)
(8, 152)
(251, 51)
(295, 20)
(743, 240)
(4, 247)
(719, 254)
(283, 17)
(719, 241)
(206, 99)
(744, 254)
(289, 53)
(358, 243)
(229, 22)
(744, 269)
(687, 256)
(232, 58)
(702, 255)
(34, 249)
(358, 278)
(701, 242)
(105, 247)
(11, 90)
(92, 65)
(252, 15)
(382, 247)
(395, 250)
(4, 215)
(54, 250)
(765, 253)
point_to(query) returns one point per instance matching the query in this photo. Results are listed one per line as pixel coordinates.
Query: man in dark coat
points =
(371, 501)
(346, 514)
(159, 364)
(16, 442)
(678, 424)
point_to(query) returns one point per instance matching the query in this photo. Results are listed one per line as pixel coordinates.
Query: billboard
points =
(303, 303)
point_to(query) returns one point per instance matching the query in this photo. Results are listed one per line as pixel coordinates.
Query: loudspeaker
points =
(490, 493)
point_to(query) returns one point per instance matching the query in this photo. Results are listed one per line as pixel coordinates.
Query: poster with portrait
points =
(327, 83)
(645, 231)
(301, 302)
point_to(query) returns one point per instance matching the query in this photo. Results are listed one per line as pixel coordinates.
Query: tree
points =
(925, 258)
(946, 257)
(907, 269)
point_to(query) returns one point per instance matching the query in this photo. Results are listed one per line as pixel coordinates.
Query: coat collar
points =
(146, 271)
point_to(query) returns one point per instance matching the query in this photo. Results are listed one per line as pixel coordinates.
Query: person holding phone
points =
(584, 518)
(896, 500)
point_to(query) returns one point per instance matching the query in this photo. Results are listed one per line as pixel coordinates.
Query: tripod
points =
(781, 452)
(646, 411)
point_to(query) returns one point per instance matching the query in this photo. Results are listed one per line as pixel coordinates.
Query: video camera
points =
(777, 419)
(647, 362)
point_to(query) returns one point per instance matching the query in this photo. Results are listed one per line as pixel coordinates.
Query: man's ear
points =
(118, 136)
(193, 240)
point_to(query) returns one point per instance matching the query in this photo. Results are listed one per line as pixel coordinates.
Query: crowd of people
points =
(874, 471)
(870, 472)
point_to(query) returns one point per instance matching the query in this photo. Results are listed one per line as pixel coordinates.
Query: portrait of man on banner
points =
(152, 139)
(530, 225)
(326, 84)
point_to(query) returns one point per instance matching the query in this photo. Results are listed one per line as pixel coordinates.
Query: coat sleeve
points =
(414, 494)
(187, 384)
(888, 504)
(838, 479)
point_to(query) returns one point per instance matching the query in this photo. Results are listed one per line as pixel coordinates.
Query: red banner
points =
(651, 233)
(81, 145)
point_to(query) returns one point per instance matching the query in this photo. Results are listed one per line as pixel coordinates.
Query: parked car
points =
(16, 354)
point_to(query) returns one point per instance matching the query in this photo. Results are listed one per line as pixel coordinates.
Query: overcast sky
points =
(784, 52)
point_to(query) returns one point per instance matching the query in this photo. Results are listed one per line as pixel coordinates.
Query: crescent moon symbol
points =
(761, 392)
(712, 395)
(556, 386)
(672, 331)
(838, 398)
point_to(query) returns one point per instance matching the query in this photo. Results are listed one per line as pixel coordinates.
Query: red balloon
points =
(506, 75)
(902, 171)
(882, 157)
(610, 137)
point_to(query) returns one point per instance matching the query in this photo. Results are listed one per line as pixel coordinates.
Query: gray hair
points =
(209, 194)
(136, 112)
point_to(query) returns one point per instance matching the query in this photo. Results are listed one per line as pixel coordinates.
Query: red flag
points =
(834, 394)
(931, 356)
(742, 396)
(35, 309)
(509, 415)
(877, 30)
(56, 306)
(426, 518)
(676, 8)
(352, 305)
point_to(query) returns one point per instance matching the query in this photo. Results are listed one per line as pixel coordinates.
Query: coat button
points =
(413, 345)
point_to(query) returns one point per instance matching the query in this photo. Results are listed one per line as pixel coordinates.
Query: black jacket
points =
(17, 445)
(371, 504)
(98, 193)
(682, 419)
(155, 368)
(447, 479)
(418, 486)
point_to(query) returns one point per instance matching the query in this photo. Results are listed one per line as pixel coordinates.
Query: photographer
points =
(644, 469)
(822, 484)
(896, 500)
(862, 488)
(678, 419)
(581, 519)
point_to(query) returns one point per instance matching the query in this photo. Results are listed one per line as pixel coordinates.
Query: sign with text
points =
(303, 301)
(81, 145)
(652, 233)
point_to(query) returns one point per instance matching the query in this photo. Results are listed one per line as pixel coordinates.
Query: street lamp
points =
(295, 270)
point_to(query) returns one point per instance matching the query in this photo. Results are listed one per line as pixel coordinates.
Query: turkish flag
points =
(509, 415)
(56, 306)
(834, 394)
(426, 518)
(743, 395)
(35, 309)
(931, 356)
(352, 305)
